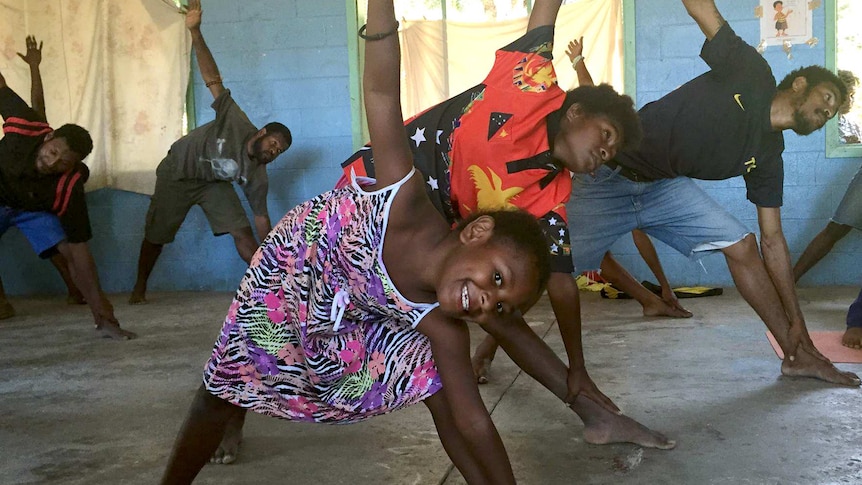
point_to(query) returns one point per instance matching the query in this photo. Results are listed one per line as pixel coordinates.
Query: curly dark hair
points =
(275, 127)
(603, 100)
(815, 75)
(850, 79)
(77, 138)
(522, 232)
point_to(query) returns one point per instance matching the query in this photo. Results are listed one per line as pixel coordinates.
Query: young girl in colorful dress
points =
(355, 304)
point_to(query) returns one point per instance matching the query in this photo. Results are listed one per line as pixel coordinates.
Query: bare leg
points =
(6, 310)
(452, 440)
(198, 438)
(228, 449)
(534, 356)
(146, 262)
(245, 243)
(755, 285)
(653, 306)
(650, 256)
(819, 247)
(73, 294)
(482, 358)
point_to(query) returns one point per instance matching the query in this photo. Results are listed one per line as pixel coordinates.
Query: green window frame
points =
(834, 148)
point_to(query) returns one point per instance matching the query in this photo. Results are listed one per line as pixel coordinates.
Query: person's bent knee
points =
(244, 241)
(837, 230)
(745, 247)
(205, 402)
(63, 248)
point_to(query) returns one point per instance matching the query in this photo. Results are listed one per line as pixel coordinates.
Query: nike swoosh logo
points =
(736, 97)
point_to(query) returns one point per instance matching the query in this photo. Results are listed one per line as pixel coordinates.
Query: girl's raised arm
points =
(382, 92)
(544, 13)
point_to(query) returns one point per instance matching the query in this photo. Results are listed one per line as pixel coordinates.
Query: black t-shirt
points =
(717, 125)
(22, 187)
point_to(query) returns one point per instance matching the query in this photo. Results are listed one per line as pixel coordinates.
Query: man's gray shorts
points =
(173, 199)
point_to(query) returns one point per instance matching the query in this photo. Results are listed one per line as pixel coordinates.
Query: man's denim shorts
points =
(42, 229)
(849, 212)
(606, 206)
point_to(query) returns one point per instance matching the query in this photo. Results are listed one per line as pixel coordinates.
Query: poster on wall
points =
(783, 21)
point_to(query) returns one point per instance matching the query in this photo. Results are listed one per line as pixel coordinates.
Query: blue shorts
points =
(675, 211)
(42, 229)
(849, 212)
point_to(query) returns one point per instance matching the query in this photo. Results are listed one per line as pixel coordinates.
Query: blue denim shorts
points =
(849, 212)
(676, 211)
(42, 229)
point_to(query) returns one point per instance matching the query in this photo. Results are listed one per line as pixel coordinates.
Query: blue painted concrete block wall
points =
(287, 60)
(668, 47)
(284, 60)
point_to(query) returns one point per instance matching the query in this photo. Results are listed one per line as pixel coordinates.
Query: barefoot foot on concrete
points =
(807, 365)
(482, 358)
(228, 449)
(481, 367)
(660, 308)
(138, 297)
(602, 427)
(113, 331)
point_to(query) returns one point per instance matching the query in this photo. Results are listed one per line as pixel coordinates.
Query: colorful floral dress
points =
(317, 331)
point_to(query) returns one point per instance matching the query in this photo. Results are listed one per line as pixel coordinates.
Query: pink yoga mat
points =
(829, 344)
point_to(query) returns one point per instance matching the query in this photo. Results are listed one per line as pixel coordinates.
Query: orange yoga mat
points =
(829, 344)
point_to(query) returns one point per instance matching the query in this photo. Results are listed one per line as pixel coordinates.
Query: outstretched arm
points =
(565, 301)
(206, 63)
(33, 58)
(544, 13)
(381, 85)
(576, 57)
(776, 258)
(706, 14)
(84, 273)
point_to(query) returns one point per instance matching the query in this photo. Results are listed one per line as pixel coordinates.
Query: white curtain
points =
(116, 67)
(441, 59)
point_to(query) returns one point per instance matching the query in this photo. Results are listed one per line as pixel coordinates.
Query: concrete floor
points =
(78, 410)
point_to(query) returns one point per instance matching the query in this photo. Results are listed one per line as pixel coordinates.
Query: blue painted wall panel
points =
(287, 60)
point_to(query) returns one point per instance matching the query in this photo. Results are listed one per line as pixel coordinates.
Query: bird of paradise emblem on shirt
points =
(534, 74)
(490, 194)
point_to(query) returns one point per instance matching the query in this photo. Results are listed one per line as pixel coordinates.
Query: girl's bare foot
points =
(481, 367)
(602, 427)
(228, 449)
(852, 337)
(806, 365)
(482, 358)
